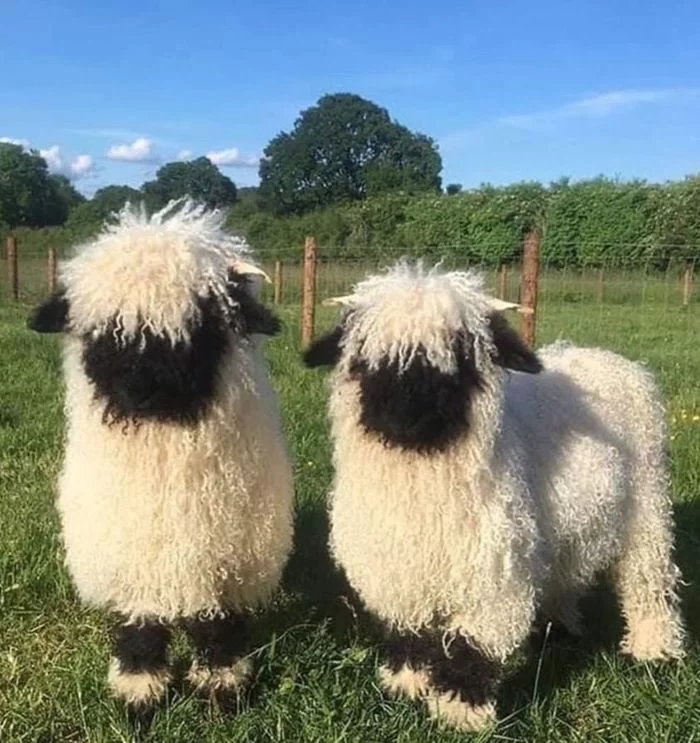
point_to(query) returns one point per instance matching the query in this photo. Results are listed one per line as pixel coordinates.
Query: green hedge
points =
(588, 223)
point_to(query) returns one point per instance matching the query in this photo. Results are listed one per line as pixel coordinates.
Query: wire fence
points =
(647, 308)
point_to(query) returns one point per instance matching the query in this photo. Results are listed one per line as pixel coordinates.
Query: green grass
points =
(317, 651)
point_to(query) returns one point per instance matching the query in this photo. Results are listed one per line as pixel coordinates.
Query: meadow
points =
(317, 651)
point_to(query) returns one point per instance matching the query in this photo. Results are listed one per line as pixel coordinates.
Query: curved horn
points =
(501, 305)
(248, 268)
(343, 301)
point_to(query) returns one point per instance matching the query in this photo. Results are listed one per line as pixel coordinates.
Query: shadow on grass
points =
(316, 590)
(687, 518)
(551, 659)
(8, 418)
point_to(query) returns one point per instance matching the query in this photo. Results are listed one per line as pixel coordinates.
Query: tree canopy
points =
(67, 192)
(362, 183)
(344, 148)
(104, 202)
(29, 196)
(199, 178)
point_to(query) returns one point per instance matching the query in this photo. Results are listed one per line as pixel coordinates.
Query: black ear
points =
(511, 350)
(326, 350)
(253, 317)
(51, 316)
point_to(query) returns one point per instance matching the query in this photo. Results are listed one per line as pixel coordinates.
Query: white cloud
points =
(184, 154)
(82, 166)
(139, 151)
(11, 140)
(232, 157)
(600, 105)
(53, 158)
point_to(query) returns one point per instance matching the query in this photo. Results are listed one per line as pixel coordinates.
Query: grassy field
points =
(316, 664)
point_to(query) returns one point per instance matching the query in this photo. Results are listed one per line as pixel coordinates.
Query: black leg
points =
(139, 672)
(467, 673)
(458, 681)
(219, 646)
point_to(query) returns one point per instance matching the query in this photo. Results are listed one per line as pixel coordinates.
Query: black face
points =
(147, 377)
(422, 408)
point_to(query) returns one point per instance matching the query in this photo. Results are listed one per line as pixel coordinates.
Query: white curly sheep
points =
(476, 484)
(175, 495)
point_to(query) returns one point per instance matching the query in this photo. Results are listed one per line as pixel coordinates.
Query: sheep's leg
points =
(464, 683)
(219, 665)
(139, 672)
(562, 607)
(646, 577)
(457, 681)
(404, 671)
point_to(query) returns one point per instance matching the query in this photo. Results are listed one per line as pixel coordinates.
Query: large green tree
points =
(105, 202)
(66, 192)
(344, 148)
(199, 178)
(29, 196)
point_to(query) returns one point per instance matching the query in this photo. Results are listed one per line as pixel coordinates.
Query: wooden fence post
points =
(12, 269)
(503, 281)
(687, 283)
(529, 285)
(601, 285)
(278, 282)
(309, 298)
(52, 269)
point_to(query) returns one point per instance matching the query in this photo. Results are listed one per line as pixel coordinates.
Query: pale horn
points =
(242, 267)
(501, 305)
(343, 301)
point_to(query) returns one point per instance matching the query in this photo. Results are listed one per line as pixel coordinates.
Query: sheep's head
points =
(421, 345)
(156, 302)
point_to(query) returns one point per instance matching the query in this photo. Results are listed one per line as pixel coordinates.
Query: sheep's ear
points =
(511, 350)
(51, 316)
(253, 317)
(326, 350)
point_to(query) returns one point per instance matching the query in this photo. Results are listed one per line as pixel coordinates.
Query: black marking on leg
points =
(464, 670)
(141, 648)
(220, 641)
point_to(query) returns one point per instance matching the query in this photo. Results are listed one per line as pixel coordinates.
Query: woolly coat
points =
(161, 519)
(559, 477)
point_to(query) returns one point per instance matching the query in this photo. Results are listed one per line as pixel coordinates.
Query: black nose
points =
(420, 408)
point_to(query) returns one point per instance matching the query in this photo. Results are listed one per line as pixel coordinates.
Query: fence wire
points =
(649, 310)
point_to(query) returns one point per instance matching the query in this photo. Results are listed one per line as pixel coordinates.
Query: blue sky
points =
(509, 90)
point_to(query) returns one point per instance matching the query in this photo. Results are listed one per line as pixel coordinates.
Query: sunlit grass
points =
(316, 663)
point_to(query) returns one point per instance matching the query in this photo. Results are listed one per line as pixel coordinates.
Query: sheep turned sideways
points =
(478, 484)
(176, 494)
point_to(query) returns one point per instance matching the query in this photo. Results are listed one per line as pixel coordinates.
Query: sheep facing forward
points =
(467, 498)
(175, 495)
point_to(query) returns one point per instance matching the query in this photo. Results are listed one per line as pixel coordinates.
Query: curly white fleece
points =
(149, 271)
(162, 520)
(561, 474)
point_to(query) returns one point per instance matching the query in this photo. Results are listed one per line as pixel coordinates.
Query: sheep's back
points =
(583, 427)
